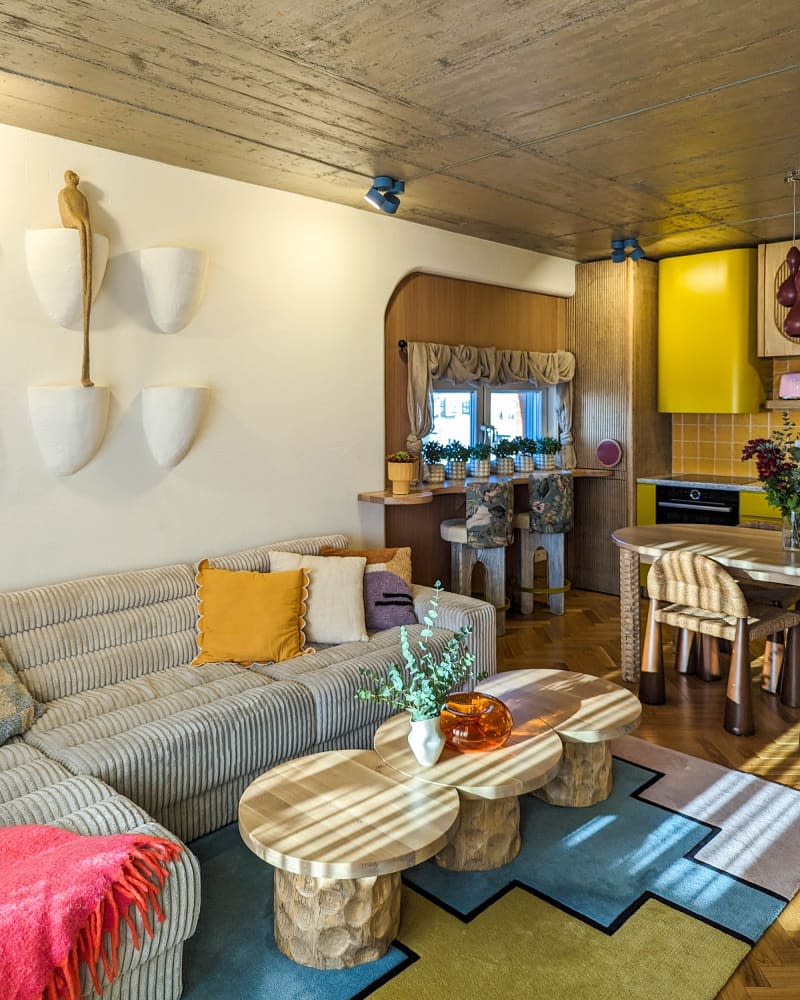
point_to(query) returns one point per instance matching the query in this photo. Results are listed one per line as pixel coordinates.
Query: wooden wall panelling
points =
(593, 557)
(650, 432)
(450, 311)
(612, 330)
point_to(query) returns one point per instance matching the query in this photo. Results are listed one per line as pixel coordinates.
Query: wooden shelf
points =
(783, 404)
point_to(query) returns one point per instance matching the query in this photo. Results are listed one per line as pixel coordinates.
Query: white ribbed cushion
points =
(454, 530)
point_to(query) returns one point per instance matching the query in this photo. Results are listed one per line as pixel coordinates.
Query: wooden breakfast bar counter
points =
(414, 519)
(428, 491)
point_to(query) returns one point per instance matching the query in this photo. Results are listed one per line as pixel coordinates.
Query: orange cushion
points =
(392, 560)
(247, 617)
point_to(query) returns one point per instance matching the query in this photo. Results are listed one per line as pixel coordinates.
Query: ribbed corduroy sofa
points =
(34, 789)
(136, 732)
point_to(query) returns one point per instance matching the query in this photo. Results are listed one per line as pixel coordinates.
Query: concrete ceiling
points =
(542, 124)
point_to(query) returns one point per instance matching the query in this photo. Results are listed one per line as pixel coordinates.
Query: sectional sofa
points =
(133, 737)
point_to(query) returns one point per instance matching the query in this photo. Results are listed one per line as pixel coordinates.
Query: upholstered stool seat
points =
(482, 538)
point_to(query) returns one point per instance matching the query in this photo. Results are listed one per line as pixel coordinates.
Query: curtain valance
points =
(427, 363)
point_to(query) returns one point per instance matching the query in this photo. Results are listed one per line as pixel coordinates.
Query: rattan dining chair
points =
(690, 591)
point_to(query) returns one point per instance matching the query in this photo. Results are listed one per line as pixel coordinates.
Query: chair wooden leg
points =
(739, 699)
(652, 690)
(790, 676)
(708, 662)
(774, 653)
(685, 652)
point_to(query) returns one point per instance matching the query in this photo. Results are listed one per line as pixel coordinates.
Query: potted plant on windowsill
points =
(433, 452)
(546, 450)
(480, 464)
(423, 687)
(525, 450)
(504, 451)
(456, 454)
(401, 467)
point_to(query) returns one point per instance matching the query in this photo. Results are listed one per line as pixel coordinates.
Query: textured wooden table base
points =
(329, 923)
(630, 625)
(486, 835)
(584, 778)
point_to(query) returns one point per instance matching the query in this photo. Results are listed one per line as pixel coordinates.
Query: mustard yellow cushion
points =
(249, 617)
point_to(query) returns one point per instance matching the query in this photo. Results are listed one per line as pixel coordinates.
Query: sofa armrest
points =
(456, 610)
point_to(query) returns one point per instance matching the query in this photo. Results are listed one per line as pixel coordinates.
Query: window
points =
(513, 410)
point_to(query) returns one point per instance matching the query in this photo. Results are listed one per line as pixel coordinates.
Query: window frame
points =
(481, 393)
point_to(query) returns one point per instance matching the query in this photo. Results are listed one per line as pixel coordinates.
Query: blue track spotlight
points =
(628, 246)
(383, 194)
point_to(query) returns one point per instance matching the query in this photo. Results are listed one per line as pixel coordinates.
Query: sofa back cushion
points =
(84, 634)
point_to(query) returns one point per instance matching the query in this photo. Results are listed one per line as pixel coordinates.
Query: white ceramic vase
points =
(426, 740)
(53, 257)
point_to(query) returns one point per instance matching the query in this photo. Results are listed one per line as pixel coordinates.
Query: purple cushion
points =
(387, 601)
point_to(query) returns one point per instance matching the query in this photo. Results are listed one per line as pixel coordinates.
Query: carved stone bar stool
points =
(483, 538)
(690, 591)
(550, 515)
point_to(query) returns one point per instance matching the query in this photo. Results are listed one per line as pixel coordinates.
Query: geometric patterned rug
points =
(655, 894)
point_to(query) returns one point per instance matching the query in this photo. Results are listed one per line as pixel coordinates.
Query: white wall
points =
(290, 338)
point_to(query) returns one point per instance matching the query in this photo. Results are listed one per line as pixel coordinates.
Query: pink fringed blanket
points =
(62, 897)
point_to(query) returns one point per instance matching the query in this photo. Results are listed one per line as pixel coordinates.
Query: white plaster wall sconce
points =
(171, 416)
(54, 263)
(69, 423)
(173, 283)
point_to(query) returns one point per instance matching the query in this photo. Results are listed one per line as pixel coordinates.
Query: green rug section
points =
(521, 946)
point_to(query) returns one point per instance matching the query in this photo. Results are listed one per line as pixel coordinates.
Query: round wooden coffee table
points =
(559, 749)
(339, 827)
(587, 713)
(489, 785)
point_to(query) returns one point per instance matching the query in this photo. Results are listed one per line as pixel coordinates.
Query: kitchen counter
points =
(738, 483)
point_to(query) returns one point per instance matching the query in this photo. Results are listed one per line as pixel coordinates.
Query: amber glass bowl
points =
(475, 721)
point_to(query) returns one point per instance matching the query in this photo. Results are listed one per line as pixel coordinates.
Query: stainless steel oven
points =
(696, 505)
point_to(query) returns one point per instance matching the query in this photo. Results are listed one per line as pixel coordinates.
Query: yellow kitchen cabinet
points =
(754, 507)
(645, 514)
(707, 361)
(645, 503)
(772, 271)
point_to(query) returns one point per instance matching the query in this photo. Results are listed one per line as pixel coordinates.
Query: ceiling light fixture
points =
(383, 194)
(788, 293)
(619, 249)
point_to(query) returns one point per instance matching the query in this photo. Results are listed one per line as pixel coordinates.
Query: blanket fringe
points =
(138, 884)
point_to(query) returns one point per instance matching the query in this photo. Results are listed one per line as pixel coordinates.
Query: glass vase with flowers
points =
(777, 461)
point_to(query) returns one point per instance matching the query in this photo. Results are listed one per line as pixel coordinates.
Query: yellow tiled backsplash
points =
(711, 443)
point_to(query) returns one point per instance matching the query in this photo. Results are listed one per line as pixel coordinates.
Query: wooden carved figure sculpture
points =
(74, 210)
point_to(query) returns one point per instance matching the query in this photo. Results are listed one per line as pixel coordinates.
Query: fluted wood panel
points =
(597, 334)
(612, 330)
(451, 311)
(593, 559)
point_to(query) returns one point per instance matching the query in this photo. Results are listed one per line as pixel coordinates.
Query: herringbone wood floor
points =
(586, 639)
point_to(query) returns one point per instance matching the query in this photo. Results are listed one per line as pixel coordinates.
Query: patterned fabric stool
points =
(483, 538)
(550, 515)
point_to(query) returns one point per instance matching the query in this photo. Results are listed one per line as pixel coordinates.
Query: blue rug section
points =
(233, 955)
(603, 861)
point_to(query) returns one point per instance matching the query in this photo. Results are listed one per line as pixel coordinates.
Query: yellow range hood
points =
(707, 334)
